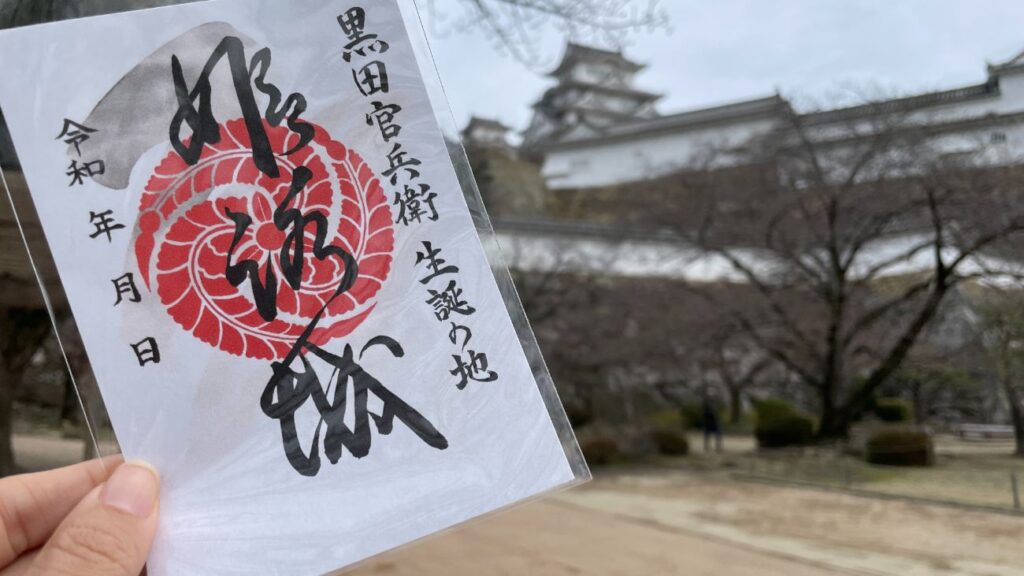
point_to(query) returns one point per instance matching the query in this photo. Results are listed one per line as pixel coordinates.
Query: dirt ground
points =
(655, 523)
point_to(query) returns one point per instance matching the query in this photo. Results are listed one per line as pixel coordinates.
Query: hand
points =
(97, 518)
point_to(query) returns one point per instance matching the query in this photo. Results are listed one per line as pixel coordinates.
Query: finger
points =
(110, 532)
(32, 505)
(22, 566)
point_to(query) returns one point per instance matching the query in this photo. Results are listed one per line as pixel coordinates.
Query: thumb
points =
(110, 532)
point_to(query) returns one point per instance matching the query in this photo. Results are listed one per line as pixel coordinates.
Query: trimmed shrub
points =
(894, 410)
(779, 424)
(692, 414)
(600, 450)
(773, 409)
(792, 430)
(746, 425)
(671, 419)
(900, 448)
(578, 414)
(671, 441)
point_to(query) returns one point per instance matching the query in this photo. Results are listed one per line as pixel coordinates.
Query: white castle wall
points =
(617, 160)
(643, 157)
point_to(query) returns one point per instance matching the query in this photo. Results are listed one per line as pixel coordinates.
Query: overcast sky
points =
(726, 50)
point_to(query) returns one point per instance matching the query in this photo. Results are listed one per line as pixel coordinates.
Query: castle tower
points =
(485, 133)
(594, 91)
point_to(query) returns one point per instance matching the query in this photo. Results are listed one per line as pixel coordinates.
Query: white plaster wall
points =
(644, 157)
(599, 73)
(634, 159)
(1009, 100)
(545, 252)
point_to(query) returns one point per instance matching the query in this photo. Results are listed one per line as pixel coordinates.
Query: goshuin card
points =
(277, 277)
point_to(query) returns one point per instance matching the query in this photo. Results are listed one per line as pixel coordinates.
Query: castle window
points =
(998, 137)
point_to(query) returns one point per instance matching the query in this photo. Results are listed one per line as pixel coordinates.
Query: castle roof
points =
(627, 91)
(477, 122)
(576, 53)
(1015, 64)
(908, 103)
(735, 112)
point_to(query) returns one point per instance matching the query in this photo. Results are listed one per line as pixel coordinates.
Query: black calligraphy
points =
(414, 204)
(289, 389)
(125, 287)
(294, 381)
(401, 159)
(449, 301)
(436, 265)
(353, 25)
(79, 172)
(472, 368)
(470, 365)
(104, 224)
(372, 79)
(294, 224)
(75, 134)
(147, 351)
(203, 124)
(383, 117)
(453, 335)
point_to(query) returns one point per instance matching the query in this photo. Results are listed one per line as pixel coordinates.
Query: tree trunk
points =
(22, 332)
(1016, 414)
(918, 402)
(829, 426)
(858, 401)
(7, 387)
(735, 405)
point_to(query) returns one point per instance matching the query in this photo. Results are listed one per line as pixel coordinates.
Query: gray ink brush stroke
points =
(136, 113)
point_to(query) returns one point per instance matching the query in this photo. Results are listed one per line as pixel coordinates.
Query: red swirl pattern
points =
(184, 235)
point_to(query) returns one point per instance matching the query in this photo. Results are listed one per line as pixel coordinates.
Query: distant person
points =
(711, 427)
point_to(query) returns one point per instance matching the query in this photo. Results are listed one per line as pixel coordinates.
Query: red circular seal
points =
(184, 240)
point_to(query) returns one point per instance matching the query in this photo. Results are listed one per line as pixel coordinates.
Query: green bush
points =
(600, 450)
(669, 419)
(692, 414)
(894, 410)
(746, 425)
(773, 409)
(671, 441)
(900, 448)
(779, 424)
(792, 430)
(579, 414)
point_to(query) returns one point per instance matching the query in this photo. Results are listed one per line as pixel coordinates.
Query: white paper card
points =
(277, 278)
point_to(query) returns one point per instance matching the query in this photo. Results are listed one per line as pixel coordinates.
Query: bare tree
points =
(557, 276)
(1003, 337)
(728, 358)
(850, 229)
(22, 332)
(518, 25)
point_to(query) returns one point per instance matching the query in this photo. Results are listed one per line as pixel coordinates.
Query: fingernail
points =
(132, 488)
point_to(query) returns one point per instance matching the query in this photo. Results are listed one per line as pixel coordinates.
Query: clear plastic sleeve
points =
(282, 277)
